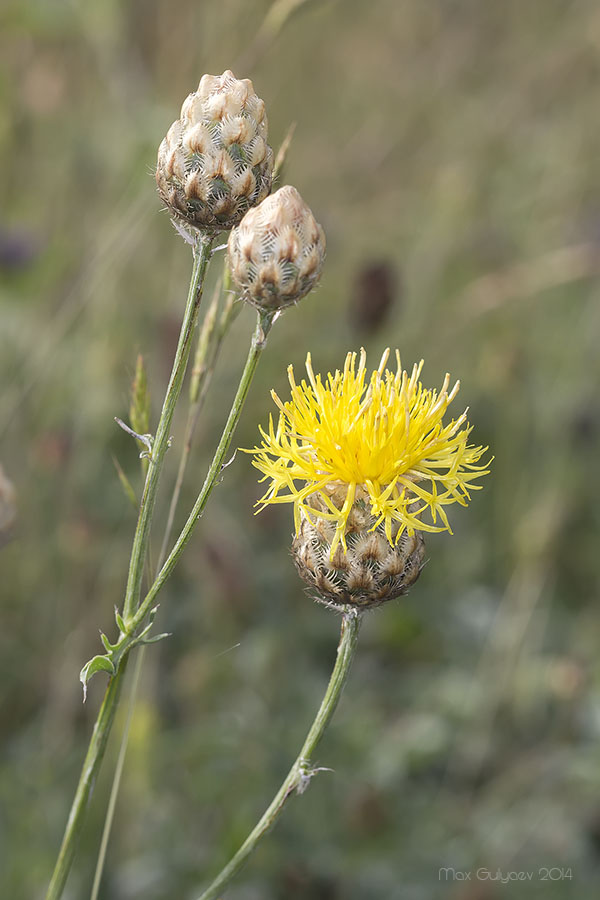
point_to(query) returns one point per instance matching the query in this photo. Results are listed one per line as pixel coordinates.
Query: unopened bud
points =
(215, 163)
(276, 253)
(370, 572)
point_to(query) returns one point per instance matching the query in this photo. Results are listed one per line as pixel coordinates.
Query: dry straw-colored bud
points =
(7, 504)
(215, 163)
(276, 253)
(371, 571)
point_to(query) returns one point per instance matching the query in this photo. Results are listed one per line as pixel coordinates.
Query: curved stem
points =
(301, 772)
(257, 346)
(209, 345)
(202, 252)
(106, 715)
(89, 771)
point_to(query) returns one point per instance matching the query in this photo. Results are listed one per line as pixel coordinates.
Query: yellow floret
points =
(385, 436)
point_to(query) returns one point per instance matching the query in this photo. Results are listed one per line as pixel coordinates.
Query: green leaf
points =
(97, 664)
(120, 621)
(139, 407)
(110, 648)
(156, 638)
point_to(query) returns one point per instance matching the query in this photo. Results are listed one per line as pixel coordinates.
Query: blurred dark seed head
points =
(367, 812)
(375, 290)
(298, 883)
(585, 426)
(593, 831)
(17, 250)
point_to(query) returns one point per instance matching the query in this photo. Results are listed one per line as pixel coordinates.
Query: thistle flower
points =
(215, 163)
(276, 253)
(369, 465)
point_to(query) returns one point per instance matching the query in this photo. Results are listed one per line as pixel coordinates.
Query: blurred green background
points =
(450, 149)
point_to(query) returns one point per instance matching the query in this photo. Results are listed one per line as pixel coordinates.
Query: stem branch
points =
(202, 253)
(106, 715)
(301, 772)
(209, 345)
(257, 346)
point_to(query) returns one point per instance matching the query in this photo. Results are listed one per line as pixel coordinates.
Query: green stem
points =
(105, 719)
(116, 784)
(209, 346)
(202, 253)
(263, 327)
(301, 772)
(89, 771)
(257, 346)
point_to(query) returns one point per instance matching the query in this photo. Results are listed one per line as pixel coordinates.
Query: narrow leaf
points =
(156, 638)
(139, 407)
(120, 621)
(125, 483)
(97, 664)
(283, 152)
(106, 643)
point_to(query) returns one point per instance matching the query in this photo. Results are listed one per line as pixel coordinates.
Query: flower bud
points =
(276, 253)
(215, 162)
(7, 504)
(371, 571)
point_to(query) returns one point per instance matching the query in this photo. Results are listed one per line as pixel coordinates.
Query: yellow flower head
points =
(380, 437)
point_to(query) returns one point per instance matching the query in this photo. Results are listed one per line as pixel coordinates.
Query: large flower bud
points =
(215, 163)
(371, 571)
(276, 253)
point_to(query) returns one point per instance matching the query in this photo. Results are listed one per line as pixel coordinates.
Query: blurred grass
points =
(454, 144)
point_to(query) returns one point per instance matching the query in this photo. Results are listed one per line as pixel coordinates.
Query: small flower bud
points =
(215, 163)
(276, 253)
(7, 505)
(371, 571)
